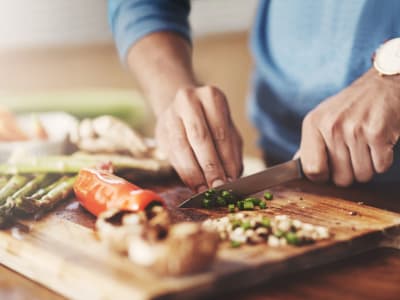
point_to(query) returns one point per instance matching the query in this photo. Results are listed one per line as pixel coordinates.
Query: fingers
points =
(176, 145)
(313, 152)
(197, 134)
(381, 149)
(360, 155)
(200, 138)
(343, 149)
(226, 140)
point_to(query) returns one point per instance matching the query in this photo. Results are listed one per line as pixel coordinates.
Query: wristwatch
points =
(387, 58)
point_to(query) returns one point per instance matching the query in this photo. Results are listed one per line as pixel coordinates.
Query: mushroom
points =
(149, 239)
(107, 134)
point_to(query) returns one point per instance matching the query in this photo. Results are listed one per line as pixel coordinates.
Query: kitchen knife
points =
(254, 183)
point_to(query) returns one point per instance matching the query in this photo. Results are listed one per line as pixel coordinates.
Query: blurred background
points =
(59, 55)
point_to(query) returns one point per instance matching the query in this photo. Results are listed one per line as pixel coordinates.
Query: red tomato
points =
(99, 191)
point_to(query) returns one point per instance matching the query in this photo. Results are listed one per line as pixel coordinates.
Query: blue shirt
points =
(304, 52)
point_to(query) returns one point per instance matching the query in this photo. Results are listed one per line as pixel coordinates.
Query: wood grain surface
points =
(61, 252)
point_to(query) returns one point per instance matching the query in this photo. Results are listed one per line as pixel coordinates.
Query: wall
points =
(44, 23)
(66, 55)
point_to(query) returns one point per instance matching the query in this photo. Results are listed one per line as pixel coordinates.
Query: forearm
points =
(162, 63)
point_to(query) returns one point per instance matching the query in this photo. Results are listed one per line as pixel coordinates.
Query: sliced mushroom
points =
(107, 134)
(150, 240)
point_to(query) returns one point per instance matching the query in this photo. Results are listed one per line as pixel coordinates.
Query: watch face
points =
(387, 58)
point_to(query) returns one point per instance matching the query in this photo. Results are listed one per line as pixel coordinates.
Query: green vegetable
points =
(262, 204)
(279, 233)
(236, 223)
(248, 205)
(55, 195)
(254, 200)
(207, 203)
(246, 225)
(292, 238)
(221, 201)
(3, 181)
(229, 197)
(72, 164)
(266, 222)
(268, 196)
(235, 244)
(211, 193)
(12, 186)
(240, 204)
(231, 208)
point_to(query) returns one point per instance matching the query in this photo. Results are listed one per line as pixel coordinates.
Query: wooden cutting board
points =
(61, 251)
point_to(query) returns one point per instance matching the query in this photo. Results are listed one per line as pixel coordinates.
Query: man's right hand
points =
(197, 134)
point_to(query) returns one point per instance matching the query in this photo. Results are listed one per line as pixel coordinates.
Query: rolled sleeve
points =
(130, 20)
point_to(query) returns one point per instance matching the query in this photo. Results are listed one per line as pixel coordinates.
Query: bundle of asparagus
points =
(33, 185)
(31, 194)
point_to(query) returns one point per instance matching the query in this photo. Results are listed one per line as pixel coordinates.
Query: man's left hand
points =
(350, 136)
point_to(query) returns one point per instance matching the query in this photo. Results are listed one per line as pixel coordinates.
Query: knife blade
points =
(254, 183)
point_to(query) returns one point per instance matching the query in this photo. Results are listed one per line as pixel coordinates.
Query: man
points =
(315, 90)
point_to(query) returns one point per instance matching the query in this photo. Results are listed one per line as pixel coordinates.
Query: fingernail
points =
(217, 183)
(229, 179)
(202, 188)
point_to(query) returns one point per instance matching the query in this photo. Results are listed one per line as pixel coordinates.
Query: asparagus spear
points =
(28, 204)
(3, 181)
(72, 164)
(12, 186)
(7, 208)
(55, 195)
(30, 188)
(48, 197)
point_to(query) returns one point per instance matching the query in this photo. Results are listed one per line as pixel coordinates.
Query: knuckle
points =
(332, 128)
(185, 97)
(220, 134)
(353, 130)
(180, 141)
(374, 133)
(212, 91)
(210, 167)
(184, 93)
(197, 132)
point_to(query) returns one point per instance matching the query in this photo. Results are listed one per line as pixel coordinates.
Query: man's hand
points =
(197, 134)
(351, 135)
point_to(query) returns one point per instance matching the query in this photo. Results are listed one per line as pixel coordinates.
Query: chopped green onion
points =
(279, 233)
(207, 203)
(240, 204)
(265, 222)
(236, 223)
(231, 208)
(292, 238)
(210, 193)
(235, 244)
(255, 200)
(248, 205)
(268, 196)
(226, 194)
(262, 204)
(246, 225)
(221, 201)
